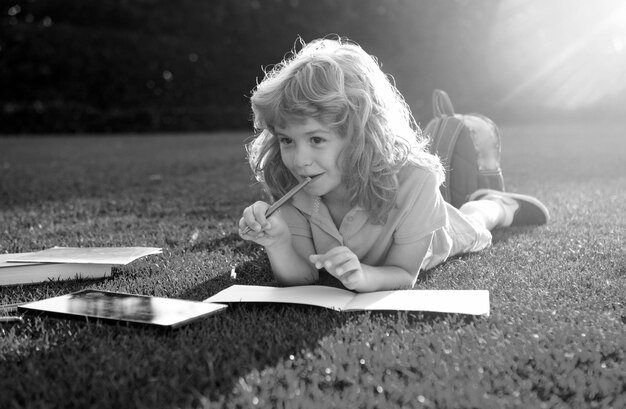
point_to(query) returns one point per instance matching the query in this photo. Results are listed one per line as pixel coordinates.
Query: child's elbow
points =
(290, 280)
(413, 278)
(407, 279)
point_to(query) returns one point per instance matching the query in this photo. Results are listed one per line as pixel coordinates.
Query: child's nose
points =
(302, 158)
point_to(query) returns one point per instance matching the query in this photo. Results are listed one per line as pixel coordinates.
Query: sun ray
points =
(566, 54)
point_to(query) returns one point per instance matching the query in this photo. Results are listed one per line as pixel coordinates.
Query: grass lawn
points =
(556, 336)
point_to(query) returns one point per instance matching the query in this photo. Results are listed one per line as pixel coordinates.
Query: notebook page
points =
(475, 302)
(321, 296)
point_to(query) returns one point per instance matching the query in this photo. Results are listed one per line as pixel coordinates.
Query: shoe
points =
(520, 210)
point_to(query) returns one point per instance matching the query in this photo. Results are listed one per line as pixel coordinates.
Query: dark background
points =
(76, 66)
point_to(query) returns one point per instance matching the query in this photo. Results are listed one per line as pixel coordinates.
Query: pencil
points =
(9, 307)
(10, 318)
(272, 209)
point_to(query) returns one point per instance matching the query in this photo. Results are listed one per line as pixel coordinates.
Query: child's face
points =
(309, 148)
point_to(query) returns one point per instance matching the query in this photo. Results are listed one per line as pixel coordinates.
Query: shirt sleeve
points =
(422, 209)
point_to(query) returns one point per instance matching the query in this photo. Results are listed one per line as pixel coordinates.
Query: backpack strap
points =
(443, 111)
(450, 129)
(444, 131)
(442, 106)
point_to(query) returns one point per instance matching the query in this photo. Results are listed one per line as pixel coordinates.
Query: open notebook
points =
(473, 302)
(122, 307)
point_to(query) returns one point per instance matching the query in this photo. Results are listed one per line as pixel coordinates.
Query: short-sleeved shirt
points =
(419, 212)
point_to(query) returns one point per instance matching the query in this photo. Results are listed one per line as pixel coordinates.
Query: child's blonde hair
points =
(337, 83)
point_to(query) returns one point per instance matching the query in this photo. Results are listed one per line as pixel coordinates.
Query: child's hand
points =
(264, 232)
(342, 263)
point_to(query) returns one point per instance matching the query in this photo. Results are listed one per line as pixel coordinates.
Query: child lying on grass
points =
(375, 216)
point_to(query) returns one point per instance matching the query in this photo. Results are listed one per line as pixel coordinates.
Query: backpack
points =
(469, 148)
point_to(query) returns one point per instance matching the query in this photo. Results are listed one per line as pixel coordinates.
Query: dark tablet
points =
(122, 307)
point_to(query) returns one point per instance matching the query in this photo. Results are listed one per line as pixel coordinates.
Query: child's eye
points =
(284, 141)
(316, 140)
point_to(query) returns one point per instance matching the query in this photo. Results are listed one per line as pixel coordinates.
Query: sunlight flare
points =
(566, 54)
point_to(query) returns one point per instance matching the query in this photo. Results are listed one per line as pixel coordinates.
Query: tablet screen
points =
(121, 307)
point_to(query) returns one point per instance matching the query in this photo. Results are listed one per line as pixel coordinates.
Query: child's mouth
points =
(314, 177)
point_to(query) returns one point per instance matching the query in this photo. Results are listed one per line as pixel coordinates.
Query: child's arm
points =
(288, 266)
(400, 270)
(283, 249)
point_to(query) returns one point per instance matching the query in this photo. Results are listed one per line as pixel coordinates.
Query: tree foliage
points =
(155, 65)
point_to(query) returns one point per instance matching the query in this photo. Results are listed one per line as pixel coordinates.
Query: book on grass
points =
(62, 263)
(26, 273)
(111, 306)
(87, 255)
(473, 302)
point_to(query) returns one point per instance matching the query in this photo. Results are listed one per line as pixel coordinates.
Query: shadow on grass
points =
(207, 359)
(210, 360)
(250, 338)
(265, 336)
